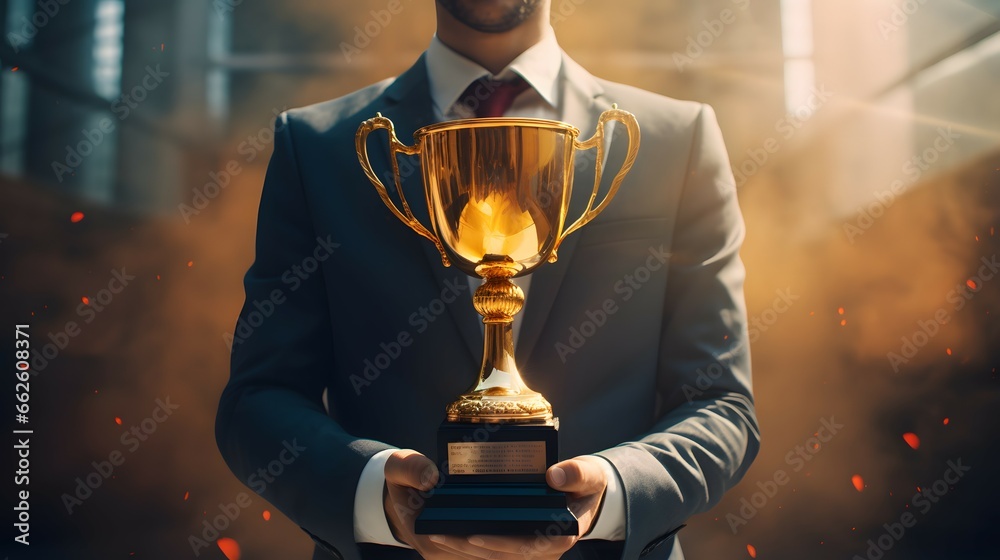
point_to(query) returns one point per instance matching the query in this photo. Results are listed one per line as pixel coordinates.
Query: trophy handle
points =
(597, 140)
(395, 147)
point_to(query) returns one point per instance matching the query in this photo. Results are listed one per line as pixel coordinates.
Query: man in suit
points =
(353, 337)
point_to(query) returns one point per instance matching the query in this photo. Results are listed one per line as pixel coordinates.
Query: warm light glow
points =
(797, 44)
(229, 547)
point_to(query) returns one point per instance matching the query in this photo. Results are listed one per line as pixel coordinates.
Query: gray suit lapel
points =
(409, 106)
(583, 102)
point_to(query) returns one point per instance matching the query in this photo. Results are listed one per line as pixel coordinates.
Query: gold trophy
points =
(498, 192)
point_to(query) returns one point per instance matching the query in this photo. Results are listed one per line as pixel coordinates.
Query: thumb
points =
(581, 475)
(409, 468)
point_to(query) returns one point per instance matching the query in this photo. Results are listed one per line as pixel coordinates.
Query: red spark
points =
(971, 284)
(946, 421)
(752, 551)
(14, 69)
(75, 217)
(161, 47)
(229, 547)
(85, 300)
(186, 495)
(858, 482)
(911, 439)
(157, 276)
(840, 310)
(118, 420)
(266, 515)
(948, 350)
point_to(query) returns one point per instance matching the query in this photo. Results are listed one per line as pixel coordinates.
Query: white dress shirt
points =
(449, 74)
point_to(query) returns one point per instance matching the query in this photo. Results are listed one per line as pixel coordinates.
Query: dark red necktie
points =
(491, 98)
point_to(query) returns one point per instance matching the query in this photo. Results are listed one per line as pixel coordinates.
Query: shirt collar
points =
(449, 73)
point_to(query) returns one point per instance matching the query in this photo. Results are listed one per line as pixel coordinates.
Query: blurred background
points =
(865, 140)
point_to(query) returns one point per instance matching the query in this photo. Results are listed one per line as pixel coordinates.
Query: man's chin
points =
(490, 16)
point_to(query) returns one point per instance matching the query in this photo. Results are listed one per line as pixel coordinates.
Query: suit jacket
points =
(637, 335)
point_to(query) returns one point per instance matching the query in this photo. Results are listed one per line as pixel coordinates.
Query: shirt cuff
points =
(370, 524)
(610, 523)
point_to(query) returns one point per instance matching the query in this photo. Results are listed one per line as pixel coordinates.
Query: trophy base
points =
(494, 482)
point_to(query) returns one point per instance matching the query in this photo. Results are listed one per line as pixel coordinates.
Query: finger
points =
(407, 467)
(532, 547)
(581, 476)
(461, 545)
(429, 549)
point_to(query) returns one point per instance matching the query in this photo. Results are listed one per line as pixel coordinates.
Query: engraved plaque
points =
(497, 457)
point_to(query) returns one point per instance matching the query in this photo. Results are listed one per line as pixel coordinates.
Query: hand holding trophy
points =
(498, 192)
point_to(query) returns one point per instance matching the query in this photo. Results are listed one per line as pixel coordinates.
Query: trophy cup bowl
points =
(497, 192)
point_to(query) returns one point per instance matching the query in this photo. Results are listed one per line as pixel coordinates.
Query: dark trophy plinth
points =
(494, 482)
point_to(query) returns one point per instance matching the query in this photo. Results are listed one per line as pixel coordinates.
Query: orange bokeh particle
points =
(118, 420)
(840, 310)
(190, 264)
(85, 300)
(971, 284)
(229, 547)
(752, 551)
(946, 421)
(76, 217)
(186, 495)
(858, 482)
(911, 439)
(266, 515)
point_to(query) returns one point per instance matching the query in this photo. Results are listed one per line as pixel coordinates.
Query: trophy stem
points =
(500, 395)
